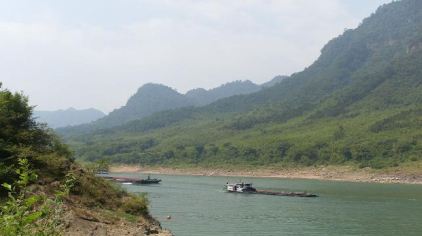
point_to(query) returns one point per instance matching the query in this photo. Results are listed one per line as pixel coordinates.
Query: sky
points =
(97, 53)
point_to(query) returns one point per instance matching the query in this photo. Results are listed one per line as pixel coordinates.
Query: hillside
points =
(359, 103)
(152, 98)
(68, 117)
(203, 97)
(149, 98)
(44, 192)
(274, 81)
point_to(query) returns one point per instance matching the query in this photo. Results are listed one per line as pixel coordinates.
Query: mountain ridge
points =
(359, 102)
(203, 97)
(151, 98)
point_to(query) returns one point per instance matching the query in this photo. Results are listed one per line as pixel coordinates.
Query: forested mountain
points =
(71, 116)
(152, 98)
(203, 97)
(359, 102)
(149, 98)
(274, 81)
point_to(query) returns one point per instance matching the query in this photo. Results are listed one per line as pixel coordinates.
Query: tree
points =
(21, 137)
(339, 133)
(103, 165)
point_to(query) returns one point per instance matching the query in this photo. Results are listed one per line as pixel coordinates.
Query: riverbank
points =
(83, 221)
(96, 207)
(410, 173)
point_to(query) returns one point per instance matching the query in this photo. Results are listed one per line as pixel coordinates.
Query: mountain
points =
(71, 116)
(152, 98)
(274, 81)
(149, 98)
(360, 103)
(203, 97)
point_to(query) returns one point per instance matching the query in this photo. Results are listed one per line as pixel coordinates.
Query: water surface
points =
(199, 206)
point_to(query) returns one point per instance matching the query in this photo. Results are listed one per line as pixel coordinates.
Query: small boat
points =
(128, 180)
(240, 188)
(149, 180)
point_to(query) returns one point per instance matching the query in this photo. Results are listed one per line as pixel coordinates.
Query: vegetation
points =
(359, 104)
(39, 179)
(203, 97)
(367, 140)
(149, 99)
(152, 98)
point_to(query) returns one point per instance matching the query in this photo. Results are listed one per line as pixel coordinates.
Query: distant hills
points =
(68, 117)
(360, 102)
(152, 98)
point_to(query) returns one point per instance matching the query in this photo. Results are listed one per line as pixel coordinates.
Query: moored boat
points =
(149, 180)
(128, 180)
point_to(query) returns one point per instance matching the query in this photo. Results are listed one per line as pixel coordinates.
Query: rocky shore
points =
(403, 175)
(82, 221)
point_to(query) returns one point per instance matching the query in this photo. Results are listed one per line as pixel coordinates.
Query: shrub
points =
(135, 205)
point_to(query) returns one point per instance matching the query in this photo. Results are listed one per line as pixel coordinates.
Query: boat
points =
(149, 180)
(128, 180)
(240, 188)
(247, 188)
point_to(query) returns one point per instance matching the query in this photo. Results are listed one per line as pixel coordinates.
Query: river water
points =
(198, 206)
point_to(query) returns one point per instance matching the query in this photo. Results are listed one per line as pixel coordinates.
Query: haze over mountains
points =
(359, 102)
(151, 98)
(70, 116)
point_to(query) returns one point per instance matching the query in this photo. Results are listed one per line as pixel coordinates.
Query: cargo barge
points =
(248, 189)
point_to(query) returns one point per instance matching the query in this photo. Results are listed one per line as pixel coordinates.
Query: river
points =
(198, 206)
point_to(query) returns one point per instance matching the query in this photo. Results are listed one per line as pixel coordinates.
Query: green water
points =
(198, 206)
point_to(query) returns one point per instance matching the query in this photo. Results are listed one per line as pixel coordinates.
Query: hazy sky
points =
(96, 53)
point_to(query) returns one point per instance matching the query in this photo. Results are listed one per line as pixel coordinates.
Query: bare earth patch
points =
(81, 222)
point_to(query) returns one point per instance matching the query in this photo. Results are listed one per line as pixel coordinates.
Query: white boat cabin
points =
(240, 187)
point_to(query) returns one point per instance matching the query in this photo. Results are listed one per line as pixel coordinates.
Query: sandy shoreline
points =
(334, 173)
